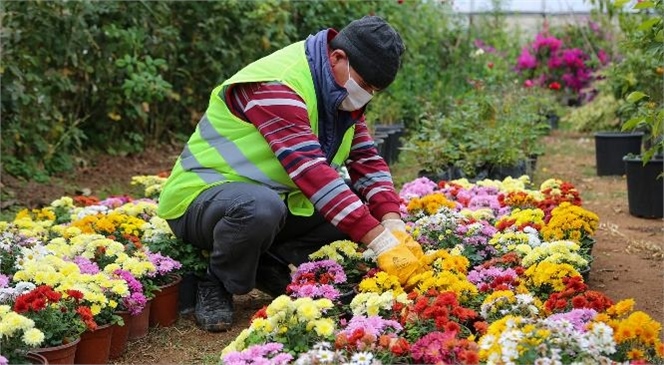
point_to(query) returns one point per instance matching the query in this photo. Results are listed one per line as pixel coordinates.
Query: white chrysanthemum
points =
(9, 294)
(322, 345)
(486, 342)
(325, 356)
(602, 337)
(80, 213)
(533, 236)
(362, 358)
(35, 253)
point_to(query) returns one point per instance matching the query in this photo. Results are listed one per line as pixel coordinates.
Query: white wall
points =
(526, 6)
(530, 24)
(529, 15)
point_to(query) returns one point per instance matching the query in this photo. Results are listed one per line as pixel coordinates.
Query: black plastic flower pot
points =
(553, 120)
(380, 145)
(384, 146)
(611, 147)
(515, 171)
(451, 173)
(645, 187)
(393, 141)
(187, 293)
(531, 165)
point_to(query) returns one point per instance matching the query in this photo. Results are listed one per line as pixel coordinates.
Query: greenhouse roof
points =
(525, 6)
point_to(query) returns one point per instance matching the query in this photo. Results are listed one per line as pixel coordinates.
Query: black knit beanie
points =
(374, 49)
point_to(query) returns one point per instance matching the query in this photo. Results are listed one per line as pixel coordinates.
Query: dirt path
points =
(629, 252)
(628, 255)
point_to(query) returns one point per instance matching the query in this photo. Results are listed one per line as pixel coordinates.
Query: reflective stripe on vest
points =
(235, 158)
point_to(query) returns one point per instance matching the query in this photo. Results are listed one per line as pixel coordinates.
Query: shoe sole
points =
(216, 327)
(268, 292)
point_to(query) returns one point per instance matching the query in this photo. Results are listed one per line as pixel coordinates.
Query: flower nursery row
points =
(79, 279)
(504, 284)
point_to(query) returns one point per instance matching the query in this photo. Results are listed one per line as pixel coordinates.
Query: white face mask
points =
(357, 97)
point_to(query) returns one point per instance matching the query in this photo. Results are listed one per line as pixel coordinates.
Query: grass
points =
(210, 359)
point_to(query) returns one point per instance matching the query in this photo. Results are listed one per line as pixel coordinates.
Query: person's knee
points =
(264, 212)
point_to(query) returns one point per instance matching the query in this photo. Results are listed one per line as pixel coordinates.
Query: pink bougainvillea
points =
(547, 62)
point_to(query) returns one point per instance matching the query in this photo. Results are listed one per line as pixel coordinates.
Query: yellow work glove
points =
(394, 257)
(398, 228)
(412, 245)
(394, 225)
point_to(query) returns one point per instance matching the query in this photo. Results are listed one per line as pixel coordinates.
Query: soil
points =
(628, 254)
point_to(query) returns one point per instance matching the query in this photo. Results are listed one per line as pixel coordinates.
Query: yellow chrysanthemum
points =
(570, 222)
(429, 204)
(337, 251)
(621, 308)
(308, 311)
(324, 327)
(635, 354)
(238, 343)
(546, 277)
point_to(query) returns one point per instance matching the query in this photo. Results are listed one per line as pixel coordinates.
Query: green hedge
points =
(118, 76)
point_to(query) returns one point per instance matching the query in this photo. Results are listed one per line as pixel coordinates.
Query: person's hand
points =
(412, 245)
(394, 225)
(398, 228)
(394, 257)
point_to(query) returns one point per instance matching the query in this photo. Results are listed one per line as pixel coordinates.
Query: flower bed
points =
(503, 285)
(73, 265)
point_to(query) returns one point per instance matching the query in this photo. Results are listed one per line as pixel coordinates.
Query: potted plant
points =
(431, 144)
(600, 115)
(59, 316)
(644, 171)
(646, 112)
(164, 310)
(158, 237)
(19, 336)
(487, 133)
(132, 304)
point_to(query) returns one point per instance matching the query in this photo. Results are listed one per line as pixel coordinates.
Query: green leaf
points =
(636, 96)
(632, 123)
(620, 3)
(659, 37)
(646, 25)
(644, 5)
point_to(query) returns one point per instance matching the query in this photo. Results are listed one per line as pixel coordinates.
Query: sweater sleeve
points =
(280, 115)
(370, 174)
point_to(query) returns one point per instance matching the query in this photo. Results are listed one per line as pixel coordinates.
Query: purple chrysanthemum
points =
(269, 353)
(86, 266)
(164, 265)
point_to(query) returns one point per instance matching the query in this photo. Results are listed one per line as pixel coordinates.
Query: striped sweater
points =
(280, 115)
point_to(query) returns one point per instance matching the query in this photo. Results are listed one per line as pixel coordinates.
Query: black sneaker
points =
(272, 276)
(214, 306)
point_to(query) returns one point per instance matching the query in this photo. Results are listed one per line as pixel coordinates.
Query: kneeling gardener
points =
(257, 184)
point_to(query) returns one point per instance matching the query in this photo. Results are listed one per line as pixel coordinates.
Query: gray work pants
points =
(238, 223)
